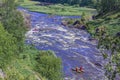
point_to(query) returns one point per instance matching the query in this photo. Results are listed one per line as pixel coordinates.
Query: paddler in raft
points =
(78, 70)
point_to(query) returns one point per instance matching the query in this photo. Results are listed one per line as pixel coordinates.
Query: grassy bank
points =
(111, 23)
(57, 9)
(33, 65)
(17, 60)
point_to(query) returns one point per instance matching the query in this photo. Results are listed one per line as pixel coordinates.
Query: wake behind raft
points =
(78, 70)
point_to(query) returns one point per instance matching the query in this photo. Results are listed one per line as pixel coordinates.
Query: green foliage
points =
(8, 47)
(90, 3)
(57, 9)
(48, 65)
(113, 45)
(109, 21)
(22, 67)
(104, 29)
(83, 19)
(108, 6)
(13, 22)
(27, 66)
(18, 61)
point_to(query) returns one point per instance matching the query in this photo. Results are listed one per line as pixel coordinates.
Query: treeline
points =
(17, 60)
(109, 5)
(89, 3)
(101, 5)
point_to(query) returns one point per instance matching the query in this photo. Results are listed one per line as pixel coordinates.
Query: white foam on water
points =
(61, 29)
(47, 35)
(37, 26)
(70, 37)
(88, 61)
(43, 41)
(84, 47)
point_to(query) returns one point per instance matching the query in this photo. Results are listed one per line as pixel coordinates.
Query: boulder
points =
(83, 27)
(76, 22)
(98, 64)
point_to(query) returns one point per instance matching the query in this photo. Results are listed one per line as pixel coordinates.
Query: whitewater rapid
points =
(71, 45)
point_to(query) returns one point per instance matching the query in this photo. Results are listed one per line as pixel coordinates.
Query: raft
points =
(77, 71)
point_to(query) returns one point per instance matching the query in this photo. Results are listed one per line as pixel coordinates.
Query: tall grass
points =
(57, 9)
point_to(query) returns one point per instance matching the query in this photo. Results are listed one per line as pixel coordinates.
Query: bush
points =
(12, 21)
(8, 47)
(49, 66)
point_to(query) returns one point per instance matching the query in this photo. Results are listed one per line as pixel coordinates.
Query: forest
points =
(49, 39)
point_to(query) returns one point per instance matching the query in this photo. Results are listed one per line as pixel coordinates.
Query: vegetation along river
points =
(71, 45)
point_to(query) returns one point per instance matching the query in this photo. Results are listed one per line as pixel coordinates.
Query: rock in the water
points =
(98, 64)
(76, 22)
(64, 23)
(83, 27)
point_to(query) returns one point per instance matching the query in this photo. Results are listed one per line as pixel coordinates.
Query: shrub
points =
(49, 66)
(8, 47)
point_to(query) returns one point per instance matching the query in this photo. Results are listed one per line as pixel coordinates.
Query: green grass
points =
(22, 68)
(29, 66)
(57, 9)
(110, 21)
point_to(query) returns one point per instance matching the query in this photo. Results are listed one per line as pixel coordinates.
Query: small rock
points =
(76, 22)
(97, 30)
(64, 23)
(83, 27)
(98, 64)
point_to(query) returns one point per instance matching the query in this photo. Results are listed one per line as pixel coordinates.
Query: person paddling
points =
(81, 69)
(77, 69)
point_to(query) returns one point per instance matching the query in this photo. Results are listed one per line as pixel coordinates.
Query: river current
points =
(71, 45)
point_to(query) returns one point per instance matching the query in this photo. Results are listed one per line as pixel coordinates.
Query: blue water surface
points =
(71, 45)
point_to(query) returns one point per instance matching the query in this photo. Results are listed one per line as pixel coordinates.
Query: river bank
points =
(56, 9)
(71, 45)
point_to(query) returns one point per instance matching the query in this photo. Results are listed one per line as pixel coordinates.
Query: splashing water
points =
(71, 45)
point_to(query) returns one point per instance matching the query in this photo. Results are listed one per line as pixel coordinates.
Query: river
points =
(71, 45)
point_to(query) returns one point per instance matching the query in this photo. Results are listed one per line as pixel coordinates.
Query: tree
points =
(12, 21)
(109, 5)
